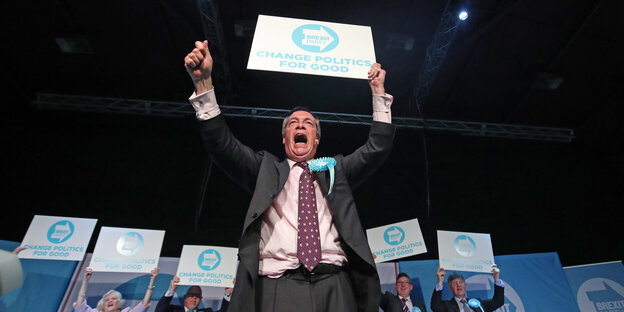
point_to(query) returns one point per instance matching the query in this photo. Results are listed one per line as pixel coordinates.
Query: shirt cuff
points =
(169, 293)
(381, 107)
(227, 298)
(439, 287)
(205, 105)
(499, 283)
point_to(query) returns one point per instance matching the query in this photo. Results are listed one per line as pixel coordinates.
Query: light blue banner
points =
(598, 287)
(533, 282)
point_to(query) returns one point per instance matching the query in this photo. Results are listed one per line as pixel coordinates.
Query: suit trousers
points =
(302, 291)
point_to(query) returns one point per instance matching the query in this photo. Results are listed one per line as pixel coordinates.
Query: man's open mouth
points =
(301, 138)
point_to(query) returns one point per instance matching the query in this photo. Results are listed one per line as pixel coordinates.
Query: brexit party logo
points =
(465, 246)
(482, 285)
(209, 260)
(130, 243)
(315, 38)
(394, 235)
(60, 232)
(600, 294)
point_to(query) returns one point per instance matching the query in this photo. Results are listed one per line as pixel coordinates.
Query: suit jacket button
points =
(254, 215)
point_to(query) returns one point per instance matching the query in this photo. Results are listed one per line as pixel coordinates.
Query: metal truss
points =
(213, 32)
(436, 52)
(184, 109)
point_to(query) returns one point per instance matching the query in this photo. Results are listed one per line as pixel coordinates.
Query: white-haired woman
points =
(112, 300)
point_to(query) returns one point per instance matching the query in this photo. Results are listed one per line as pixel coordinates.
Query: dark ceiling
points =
(502, 67)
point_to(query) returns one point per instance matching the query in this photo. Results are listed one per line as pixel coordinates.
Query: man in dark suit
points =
(192, 299)
(401, 302)
(273, 274)
(461, 303)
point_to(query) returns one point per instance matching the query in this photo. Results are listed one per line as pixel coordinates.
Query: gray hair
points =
(100, 305)
(296, 109)
(455, 276)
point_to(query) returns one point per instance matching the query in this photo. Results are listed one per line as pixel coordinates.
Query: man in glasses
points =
(401, 302)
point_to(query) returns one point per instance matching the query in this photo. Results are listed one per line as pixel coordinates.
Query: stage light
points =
(463, 15)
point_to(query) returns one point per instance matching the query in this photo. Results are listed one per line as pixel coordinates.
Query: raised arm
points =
(440, 273)
(83, 288)
(198, 65)
(150, 287)
(377, 78)
(363, 162)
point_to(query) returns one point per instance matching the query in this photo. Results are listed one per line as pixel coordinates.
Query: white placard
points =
(311, 47)
(207, 266)
(461, 251)
(127, 250)
(57, 238)
(395, 241)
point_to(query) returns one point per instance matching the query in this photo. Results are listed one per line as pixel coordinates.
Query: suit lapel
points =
(321, 177)
(454, 304)
(283, 170)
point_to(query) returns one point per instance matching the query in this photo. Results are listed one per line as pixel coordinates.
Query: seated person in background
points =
(192, 298)
(459, 302)
(112, 300)
(401, 302)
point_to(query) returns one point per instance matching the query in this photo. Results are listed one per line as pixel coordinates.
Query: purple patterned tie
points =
(308, 241)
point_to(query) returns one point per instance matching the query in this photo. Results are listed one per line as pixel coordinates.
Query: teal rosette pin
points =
(324, 163)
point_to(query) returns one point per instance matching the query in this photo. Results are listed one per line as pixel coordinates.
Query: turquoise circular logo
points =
(465, 246)
(60, 232)
(416, 309)
(130, 243)
(394, 235)
(315, 38)
(209, 260)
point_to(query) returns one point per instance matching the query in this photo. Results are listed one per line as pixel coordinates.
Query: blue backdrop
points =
(598, 287)
(43, 287)
(533, 282)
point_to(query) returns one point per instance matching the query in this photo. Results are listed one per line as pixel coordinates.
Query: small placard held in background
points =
(57, 238)
(207, 266)
(395, 241)
(127, 250)
(461, 251)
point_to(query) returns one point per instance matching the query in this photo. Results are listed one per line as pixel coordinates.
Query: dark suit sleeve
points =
(364, 161)
(224, 305)
(383, 300)
(436, 301)
(163, 304)
(239, 162)
(496, 301)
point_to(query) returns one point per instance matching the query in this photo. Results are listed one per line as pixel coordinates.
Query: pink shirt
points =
(278, 234)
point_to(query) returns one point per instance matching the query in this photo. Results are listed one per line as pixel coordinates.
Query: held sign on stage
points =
(207, 266)
(127, 250)
(311, 47)
(395, 241)
(462, 251)
(57, 238)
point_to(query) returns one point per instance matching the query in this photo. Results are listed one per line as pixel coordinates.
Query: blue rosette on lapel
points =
(322, 164)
